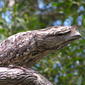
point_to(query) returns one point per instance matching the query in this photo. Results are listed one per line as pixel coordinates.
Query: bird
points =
(27, 48)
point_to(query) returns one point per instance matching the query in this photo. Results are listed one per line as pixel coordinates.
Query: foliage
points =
(65, 67)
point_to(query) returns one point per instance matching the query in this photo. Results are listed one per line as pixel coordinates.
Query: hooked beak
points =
(75, 33)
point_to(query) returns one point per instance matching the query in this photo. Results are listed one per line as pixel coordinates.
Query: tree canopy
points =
(65, 67)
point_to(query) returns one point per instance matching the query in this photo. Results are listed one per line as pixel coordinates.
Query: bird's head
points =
(56, 37)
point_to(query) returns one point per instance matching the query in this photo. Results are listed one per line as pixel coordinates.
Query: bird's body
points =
(14, 49)
(25, 48)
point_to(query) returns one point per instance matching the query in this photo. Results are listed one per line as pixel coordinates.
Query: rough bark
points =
(26, 48)
(21, 76)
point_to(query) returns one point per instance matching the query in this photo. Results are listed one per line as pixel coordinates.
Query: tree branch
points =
(21, 76)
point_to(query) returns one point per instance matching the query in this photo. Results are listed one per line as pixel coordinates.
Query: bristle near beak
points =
(75, 33)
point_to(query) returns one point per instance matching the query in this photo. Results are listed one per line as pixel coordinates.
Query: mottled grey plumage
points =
(25, 48)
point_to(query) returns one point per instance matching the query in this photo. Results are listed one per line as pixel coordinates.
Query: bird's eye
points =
(64, 33)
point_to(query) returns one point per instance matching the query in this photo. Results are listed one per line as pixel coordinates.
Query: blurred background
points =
(65, 67)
